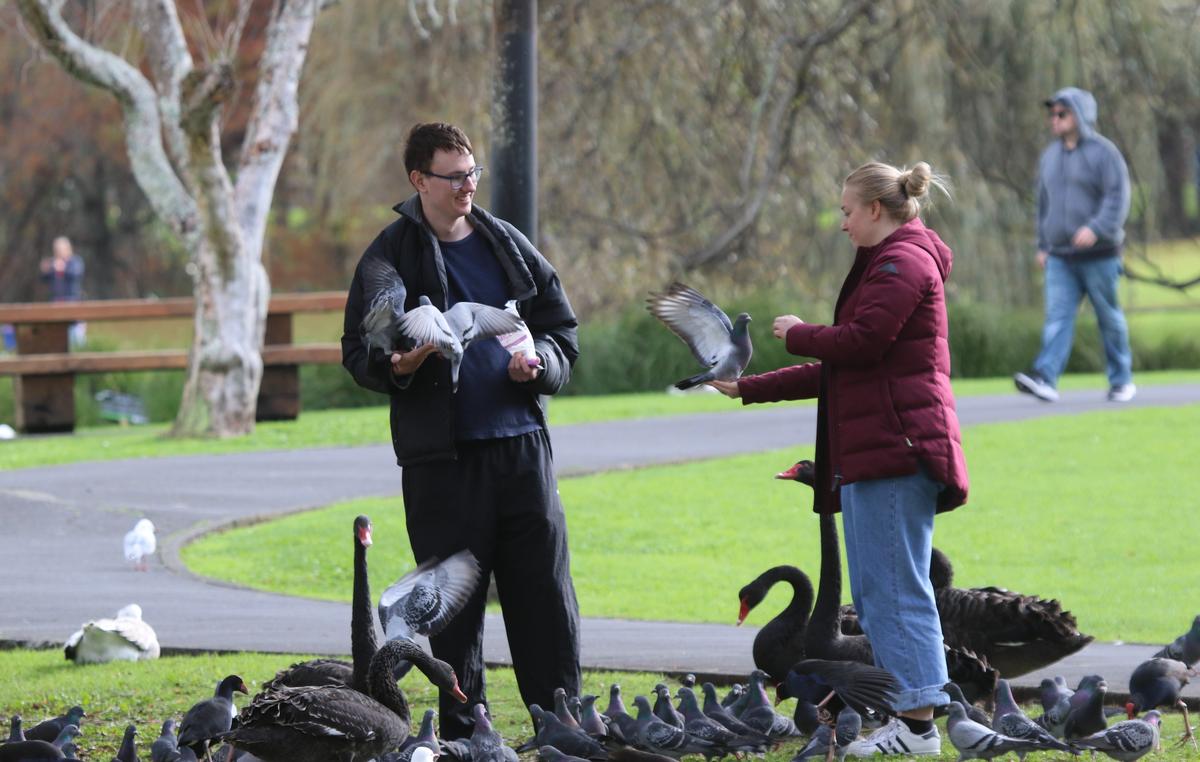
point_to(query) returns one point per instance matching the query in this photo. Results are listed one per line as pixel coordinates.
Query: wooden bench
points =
(44, 368)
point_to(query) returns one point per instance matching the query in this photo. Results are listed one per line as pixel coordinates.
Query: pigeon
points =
(589, 717)
(849, 725)
(736, 693)
(1158, 682)
(721, 346)
(562, 711)
(453, 331)
(426, 737)
(973, 712)
(14, 729)
(520, 340)
(698, 725)
(761, 716)
(1086, 715)
(1127, 740)
(123, 638)
(128, 750)
(486, 744)
(1186, 647)
(165, 748)
(140, 544)
(974, 741)
(1055, 697)
(551, 731)
(48, 730)
(818, 746)
(622, 726)
(423, 601)
(663, 708)
(35, 750)
(551, 754)
(714, 711)
(658, 737)
(1010, 721)
(380, 327)
(210, 717)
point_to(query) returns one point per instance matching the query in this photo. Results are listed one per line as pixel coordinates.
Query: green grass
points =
(1090, 509)
(40, 684)
(362, 426)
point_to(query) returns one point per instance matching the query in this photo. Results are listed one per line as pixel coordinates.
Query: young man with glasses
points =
(1082, 202)
(477, 467)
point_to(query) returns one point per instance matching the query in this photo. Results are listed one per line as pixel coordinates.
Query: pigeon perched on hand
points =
(140, 544)
(721, 346)
(521, 340)
(380, 327)
(453, 331)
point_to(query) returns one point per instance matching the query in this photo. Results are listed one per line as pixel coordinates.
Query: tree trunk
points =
(173, 142)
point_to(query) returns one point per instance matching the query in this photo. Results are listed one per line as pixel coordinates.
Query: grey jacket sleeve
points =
(1109, 219)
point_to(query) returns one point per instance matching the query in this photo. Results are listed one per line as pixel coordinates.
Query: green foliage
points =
(1051, 498)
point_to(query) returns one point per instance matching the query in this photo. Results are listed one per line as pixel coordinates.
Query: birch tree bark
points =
(172, 137)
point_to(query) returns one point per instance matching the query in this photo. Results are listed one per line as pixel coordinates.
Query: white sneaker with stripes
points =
(896, 738)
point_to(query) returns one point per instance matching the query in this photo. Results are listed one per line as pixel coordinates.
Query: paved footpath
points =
(61, 530)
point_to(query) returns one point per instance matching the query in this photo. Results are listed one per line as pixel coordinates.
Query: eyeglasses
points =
(459, 179)
(1059, 114)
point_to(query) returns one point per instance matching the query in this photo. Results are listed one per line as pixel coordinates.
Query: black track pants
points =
(500, 500)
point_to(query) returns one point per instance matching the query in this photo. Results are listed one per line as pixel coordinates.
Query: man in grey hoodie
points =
(1082, 202)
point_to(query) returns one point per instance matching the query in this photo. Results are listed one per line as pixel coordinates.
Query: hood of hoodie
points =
(1082, 104)
(914, 232)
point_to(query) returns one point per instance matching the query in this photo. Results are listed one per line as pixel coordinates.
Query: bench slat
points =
(138, 309)
(164, 359)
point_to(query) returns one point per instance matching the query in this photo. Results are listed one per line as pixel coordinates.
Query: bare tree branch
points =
(138, 100)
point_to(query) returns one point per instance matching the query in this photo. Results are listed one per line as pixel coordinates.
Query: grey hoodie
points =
(1088, 185)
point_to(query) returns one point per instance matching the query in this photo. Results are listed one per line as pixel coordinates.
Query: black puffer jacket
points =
(422, 408)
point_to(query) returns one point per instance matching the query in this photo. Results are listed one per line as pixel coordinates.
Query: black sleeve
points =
(554, 327)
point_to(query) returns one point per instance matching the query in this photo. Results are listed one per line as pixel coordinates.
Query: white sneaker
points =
(896, 738)
(1122, 393)
(1033, 383)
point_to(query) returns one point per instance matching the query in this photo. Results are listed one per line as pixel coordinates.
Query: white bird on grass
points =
(139, 544)
(123, 638)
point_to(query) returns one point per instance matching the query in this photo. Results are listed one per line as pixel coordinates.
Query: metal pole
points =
(514, 116)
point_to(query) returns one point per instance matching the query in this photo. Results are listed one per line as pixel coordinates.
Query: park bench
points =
(44, 368)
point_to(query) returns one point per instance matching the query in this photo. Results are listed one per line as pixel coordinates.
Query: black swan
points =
(319, 723)
(780, 642)
(363, 643)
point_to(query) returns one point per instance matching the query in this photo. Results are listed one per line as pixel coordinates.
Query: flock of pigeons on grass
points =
(813, 651)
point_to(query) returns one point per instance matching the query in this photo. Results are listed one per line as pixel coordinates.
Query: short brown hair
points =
(426, 139)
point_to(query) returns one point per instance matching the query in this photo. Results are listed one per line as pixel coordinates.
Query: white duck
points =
(139, 544)
(124, 638)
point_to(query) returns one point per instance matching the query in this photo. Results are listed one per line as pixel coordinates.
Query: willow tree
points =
(172, 115)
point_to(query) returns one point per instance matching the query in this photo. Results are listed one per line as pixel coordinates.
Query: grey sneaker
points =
(1122, 393)
(896, 738)
(1033, 383)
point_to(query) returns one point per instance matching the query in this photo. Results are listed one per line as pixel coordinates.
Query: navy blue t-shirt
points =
(488, 405)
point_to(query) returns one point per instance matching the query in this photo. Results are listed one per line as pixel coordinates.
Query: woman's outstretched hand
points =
(783, 324)
(728, 388)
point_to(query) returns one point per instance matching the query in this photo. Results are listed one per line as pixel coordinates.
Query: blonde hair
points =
(901, 192)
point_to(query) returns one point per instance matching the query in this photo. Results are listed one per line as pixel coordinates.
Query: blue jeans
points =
(1067, 281)
(888, 525)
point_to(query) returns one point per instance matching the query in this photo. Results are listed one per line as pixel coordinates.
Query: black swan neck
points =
(829, 590)
(362, 625)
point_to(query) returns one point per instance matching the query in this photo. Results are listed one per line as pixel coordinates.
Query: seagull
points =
(140, 543)
(380, 327)
(721, 346)
(453, 331)
(123, 638)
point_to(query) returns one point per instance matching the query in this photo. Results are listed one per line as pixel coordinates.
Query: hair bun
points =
(915, 182)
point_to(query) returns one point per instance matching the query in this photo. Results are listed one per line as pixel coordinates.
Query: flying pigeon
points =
(139, 544)
(974, 741)
(1186, 647)
(380, 327)
(124, 638)
(1127, 740)
(721, 346)
(424, 600)
(453, 331)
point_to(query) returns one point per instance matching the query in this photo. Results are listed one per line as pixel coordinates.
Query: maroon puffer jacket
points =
(883, 383)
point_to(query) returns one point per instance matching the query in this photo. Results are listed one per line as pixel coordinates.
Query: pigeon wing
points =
(424, 600)
(426, 324)
(471, 320)
(695, 320)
